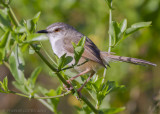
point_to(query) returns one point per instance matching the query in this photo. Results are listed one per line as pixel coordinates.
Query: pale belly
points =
(90, 65)
(57, 47)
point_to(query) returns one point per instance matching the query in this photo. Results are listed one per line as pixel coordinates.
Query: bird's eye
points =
(57, 30)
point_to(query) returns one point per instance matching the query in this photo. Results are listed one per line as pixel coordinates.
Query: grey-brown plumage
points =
(127, 59)
(62, 35)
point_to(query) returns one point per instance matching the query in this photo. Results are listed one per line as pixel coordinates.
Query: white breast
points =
(57, 46)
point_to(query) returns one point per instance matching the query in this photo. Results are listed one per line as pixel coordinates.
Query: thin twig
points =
(110, 21)
(74, 66)
(12, 16)
(110, 39)
(37, 97)
(110, 44)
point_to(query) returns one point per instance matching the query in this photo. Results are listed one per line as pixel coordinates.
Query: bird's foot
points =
(68, 88)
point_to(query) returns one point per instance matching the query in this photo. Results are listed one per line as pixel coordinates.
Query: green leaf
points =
(21, 87)
(109, 3)
(82, 41)
(105, 89)
(59, 90)
(31, 50)
(4, 45)
(113, 110)
(98, 83)
(4, 39)
(135, 27)
(16, 63)
(34, 76)
(54, 101)
(42, 90)
(20, 29)
(32, 23)
(115, 32)
(130, 31)
(36, 17)
(68, 59)
(112, 86)
(1, 90)
(141, 24)
(74, 45)
(4, 19)
(36, 38)
(123, 25)
(1, 55)
(5, 84)
(78, 49)
(63, 61)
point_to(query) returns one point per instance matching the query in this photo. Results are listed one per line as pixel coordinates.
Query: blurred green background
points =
(90, 17)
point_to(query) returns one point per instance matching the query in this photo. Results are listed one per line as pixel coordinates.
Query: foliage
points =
(17, 35)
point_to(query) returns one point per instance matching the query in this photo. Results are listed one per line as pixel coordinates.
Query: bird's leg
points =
(84, 72)
(79, 90)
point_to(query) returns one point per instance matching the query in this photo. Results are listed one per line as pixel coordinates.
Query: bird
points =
(62, 35)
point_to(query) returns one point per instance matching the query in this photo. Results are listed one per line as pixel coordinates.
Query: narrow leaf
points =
(115, 33)
(20, 29)
(109, 3)
(53, 101)
(98, 83)
(61, 61)
(21, 87)
(4, 19)
(82, 41)
(36, 38)
(5, 83)
(135, 27)
(4, 39)
(141, 24)
(130, 31)
(16, 63)
(123, 25)
(78, 49)
(31, 24)
(35, 74)
(68, 59)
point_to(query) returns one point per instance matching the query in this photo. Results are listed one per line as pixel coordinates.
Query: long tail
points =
(108, 57)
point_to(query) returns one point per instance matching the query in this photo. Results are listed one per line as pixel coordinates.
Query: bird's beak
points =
(42, 31)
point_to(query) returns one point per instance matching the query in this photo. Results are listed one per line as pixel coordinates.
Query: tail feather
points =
(107, 57)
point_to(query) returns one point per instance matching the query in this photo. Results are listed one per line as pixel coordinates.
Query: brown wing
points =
(91, 51)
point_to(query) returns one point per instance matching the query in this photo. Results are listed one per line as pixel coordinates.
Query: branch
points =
(89, 104)
(12, 16)
(37, 97)
(50, 66)
(110, 21)
(16, 23)
(74, 66)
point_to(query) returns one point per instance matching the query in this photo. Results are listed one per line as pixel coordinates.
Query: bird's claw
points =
(68, 88)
